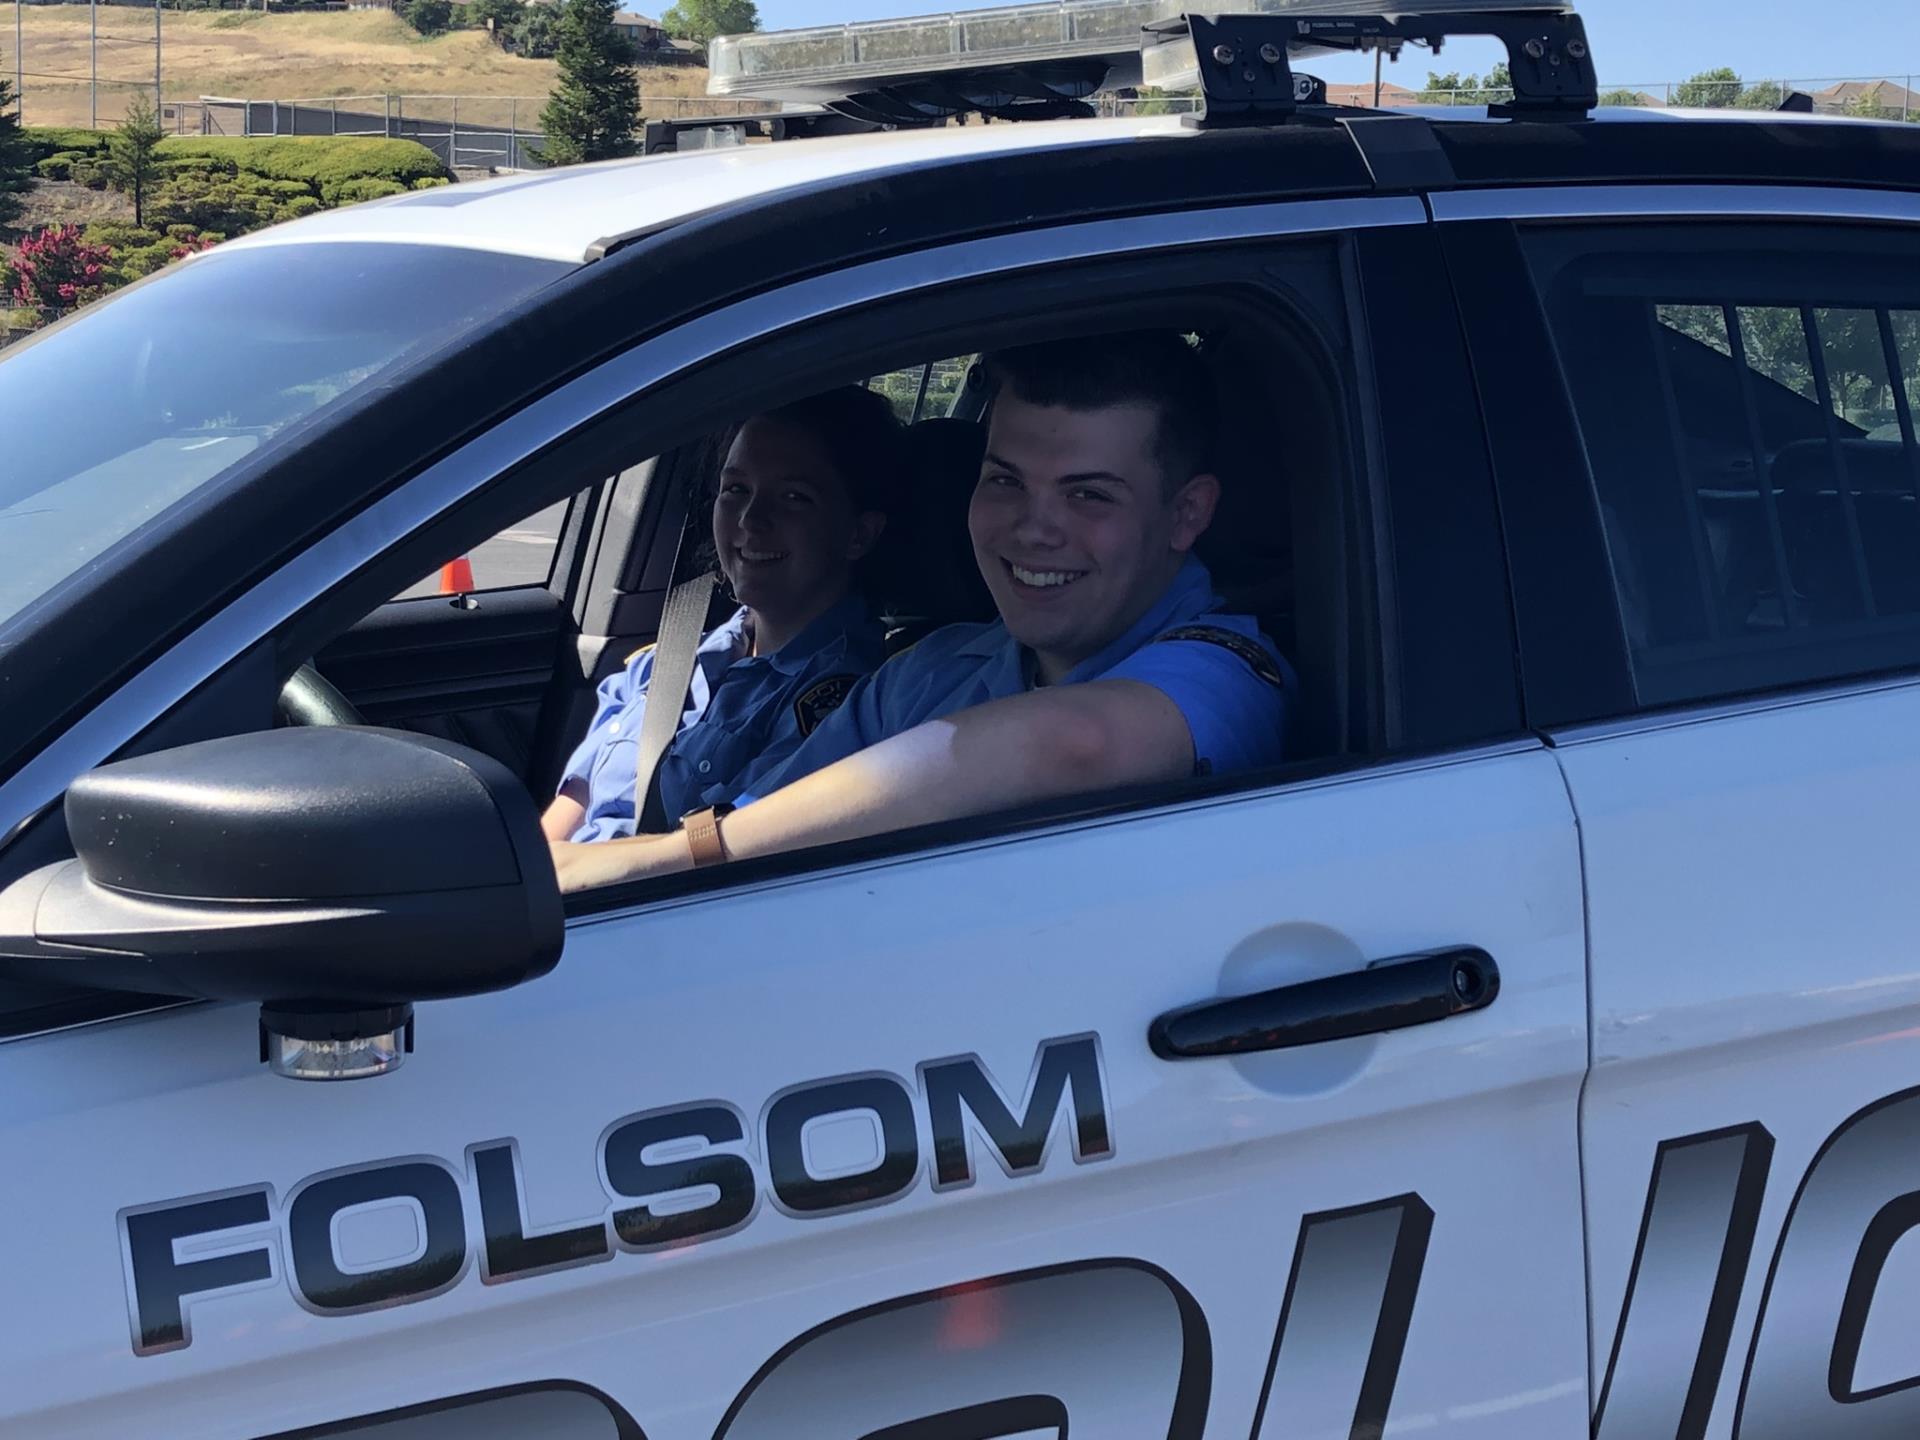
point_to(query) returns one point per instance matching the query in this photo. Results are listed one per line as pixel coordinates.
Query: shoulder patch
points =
(820, 700)
(1250, 651)
(636, 654)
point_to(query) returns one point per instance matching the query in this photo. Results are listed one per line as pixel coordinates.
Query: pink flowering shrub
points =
(55, 269)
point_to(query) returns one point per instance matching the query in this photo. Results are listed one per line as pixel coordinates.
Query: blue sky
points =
(1635, 41)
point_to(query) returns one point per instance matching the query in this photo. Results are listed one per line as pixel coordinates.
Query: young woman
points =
(801, 499)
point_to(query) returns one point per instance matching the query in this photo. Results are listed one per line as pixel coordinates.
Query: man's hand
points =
(1033, 747)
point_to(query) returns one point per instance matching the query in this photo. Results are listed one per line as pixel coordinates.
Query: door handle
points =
(1388, 995)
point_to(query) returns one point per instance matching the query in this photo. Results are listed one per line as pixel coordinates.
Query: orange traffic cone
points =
(456, 577)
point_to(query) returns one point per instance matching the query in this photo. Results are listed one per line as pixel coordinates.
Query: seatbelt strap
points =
(682, 622)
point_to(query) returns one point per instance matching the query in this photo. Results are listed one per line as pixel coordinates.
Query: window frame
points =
(672, 386)
(1573, 638)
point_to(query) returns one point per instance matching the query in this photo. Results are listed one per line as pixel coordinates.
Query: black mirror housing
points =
(302, 864)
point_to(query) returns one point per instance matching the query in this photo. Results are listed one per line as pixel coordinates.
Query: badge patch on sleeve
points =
(1256, 657)
(820, 700)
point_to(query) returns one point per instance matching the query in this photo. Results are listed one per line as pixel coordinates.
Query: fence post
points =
(333, 117)
(1906, 101)
(386, 113)
(453, 138)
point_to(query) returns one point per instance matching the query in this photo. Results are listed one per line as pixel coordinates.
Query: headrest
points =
(927, 571)
(1873, 466)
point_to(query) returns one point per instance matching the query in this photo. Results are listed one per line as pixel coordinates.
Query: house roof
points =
(1849, 92)
(1362, 94)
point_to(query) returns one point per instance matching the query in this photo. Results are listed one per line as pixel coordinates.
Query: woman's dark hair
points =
(863, 439)
(857, 428)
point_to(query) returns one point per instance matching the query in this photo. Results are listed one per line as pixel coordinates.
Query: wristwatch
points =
(703, 836)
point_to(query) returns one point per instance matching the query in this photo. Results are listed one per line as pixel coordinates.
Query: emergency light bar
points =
(1055, 50)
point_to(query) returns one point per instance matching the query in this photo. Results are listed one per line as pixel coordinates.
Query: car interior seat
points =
(1278, 541)
(923, 574)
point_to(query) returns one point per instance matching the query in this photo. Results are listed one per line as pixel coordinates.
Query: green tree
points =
(1622, 97)
(429, 17)
(132, 165)
(1451, 88)
(1762, 95)
(701, 20)
(537, 35)
(16, 163)
(504, 15)
(595, 109)
(1454, 88)
(1868, 105)
(1709, 90)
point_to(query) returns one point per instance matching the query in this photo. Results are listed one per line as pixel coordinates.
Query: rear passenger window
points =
(1746, 396)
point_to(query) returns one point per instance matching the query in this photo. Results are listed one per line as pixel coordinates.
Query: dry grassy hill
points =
(251, 55)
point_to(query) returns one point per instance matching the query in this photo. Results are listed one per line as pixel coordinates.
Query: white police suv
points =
(1536, 1054)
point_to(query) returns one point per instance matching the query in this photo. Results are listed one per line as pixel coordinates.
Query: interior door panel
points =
(475, 669)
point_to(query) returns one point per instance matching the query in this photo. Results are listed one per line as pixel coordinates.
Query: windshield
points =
(153, 394)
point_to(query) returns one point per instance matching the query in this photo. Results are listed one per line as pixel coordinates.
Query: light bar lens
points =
(829, 62)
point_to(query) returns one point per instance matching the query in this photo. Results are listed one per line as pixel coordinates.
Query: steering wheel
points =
(309, 698)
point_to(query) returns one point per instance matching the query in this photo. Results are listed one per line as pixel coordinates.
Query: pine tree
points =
(595, 109)
(132, 161)
(16, 166)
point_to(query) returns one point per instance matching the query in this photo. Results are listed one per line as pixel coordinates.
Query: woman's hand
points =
(607, 862)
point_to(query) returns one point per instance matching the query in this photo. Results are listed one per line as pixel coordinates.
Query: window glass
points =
(207, 365)
(521, 554)
(1747, 414)
(922, 392)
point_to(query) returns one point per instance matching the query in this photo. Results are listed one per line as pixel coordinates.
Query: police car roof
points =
(580, 212)
(574, 213)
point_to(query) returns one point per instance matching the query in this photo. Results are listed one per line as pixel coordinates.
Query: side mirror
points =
(333, 874)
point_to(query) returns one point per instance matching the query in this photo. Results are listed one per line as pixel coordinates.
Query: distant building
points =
(651, 43)
(1363, 95)
(1864, 94)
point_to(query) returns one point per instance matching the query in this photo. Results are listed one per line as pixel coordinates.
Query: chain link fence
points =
(488, 132)
(1888, 97)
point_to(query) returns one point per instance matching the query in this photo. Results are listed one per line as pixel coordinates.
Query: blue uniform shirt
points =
(1225, 676)
(745, 714)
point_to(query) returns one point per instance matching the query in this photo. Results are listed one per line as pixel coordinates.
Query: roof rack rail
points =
(1039, 58)
(1242, 62)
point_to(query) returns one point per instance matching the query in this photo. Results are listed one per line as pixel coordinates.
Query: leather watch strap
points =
(703, 836)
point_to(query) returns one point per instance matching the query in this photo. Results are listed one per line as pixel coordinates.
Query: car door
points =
(941, 1135)
(1744, 367)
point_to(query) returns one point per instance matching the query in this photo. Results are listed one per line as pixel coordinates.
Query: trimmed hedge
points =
(352, 192)
(322, 162)
(317, 165)
(44, 141)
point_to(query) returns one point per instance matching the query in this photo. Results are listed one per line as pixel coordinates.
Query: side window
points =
(924, 392)
(1746, 398)
(521, 554)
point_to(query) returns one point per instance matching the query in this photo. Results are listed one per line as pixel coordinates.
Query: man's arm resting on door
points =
(1028, 748)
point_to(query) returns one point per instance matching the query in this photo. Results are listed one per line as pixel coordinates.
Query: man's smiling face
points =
(1075, 525)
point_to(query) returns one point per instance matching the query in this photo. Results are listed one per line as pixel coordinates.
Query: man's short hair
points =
(1159, 369)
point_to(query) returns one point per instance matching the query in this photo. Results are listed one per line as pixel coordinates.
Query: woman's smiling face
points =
(784, 523)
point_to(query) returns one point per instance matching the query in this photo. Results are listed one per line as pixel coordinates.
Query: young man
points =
(1110, 665)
